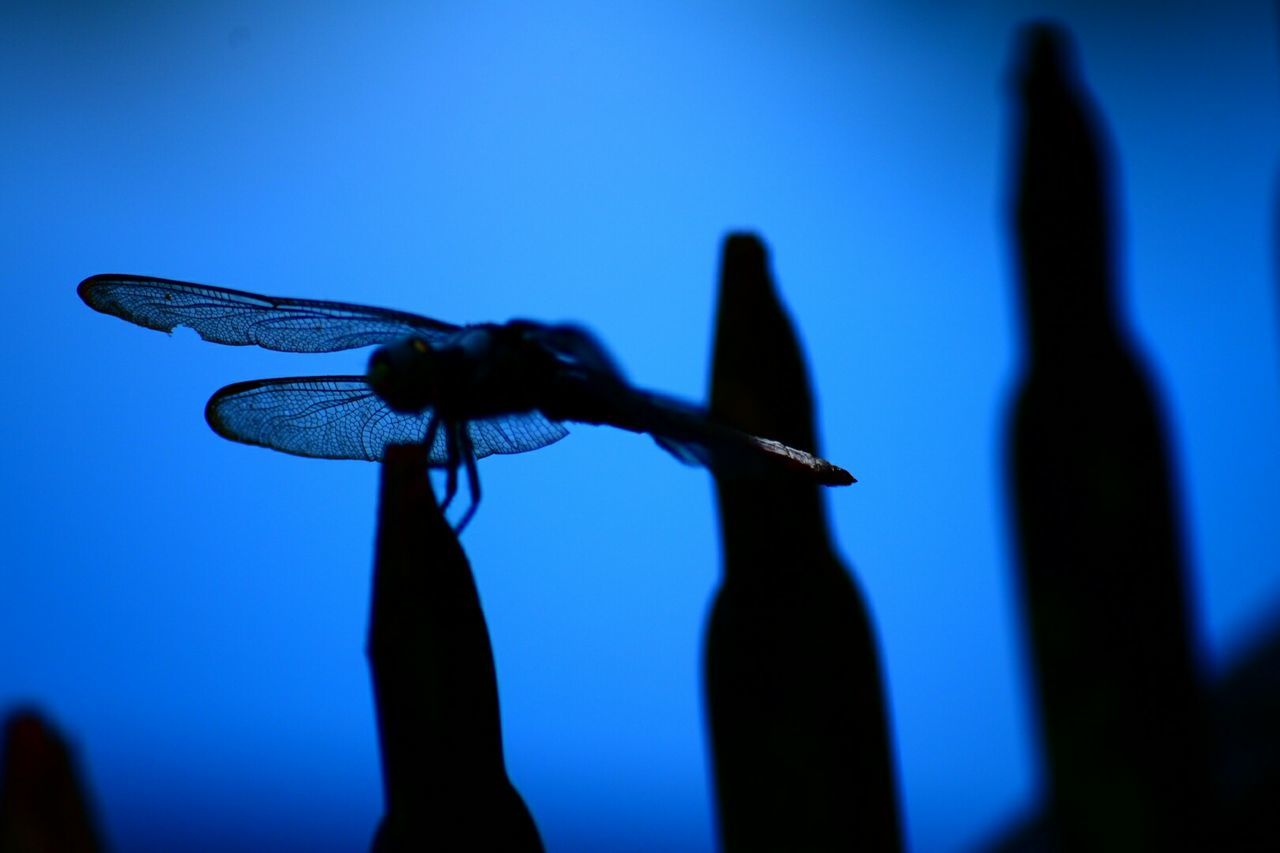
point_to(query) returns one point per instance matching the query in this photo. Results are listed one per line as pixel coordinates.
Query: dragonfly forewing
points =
(238, 318)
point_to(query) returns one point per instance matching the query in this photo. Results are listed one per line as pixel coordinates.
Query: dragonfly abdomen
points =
(685, 431)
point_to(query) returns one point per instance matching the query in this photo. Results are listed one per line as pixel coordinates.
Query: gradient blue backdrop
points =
(192, 610)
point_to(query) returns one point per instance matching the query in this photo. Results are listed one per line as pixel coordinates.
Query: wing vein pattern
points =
(238, 318)
(340, 417)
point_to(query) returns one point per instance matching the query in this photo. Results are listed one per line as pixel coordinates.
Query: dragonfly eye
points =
(400, 374)
(381, 373)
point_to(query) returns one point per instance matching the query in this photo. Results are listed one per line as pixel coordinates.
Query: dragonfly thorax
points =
(486, 370)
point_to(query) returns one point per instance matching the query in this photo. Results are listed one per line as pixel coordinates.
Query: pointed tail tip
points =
(830, 474)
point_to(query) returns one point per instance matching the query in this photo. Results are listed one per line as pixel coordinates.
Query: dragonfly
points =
(463, 391)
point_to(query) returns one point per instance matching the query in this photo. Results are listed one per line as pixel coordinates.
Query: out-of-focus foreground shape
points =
(1102, 576)
(43, 808)
(800, 737)
(436, 693)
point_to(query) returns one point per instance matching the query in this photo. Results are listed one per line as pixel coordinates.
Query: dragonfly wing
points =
(513, 433)
(238, 318)
(329, 417)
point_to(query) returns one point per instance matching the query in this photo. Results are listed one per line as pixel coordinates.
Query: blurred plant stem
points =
(43, 806)
(435, 690)
(1103, 581)
(800, 738)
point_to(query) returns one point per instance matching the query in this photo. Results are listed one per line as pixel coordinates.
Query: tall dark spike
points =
(1102, 574)
(435, 689)
(44, 804)
(800, 739)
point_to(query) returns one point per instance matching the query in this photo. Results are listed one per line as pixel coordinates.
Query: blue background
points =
(193, 611)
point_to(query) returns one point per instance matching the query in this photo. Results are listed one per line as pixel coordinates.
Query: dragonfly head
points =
(403, 375)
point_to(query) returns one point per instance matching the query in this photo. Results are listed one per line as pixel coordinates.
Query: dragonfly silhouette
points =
(464, 392)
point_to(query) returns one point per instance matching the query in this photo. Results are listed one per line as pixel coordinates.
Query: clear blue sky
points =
(192, 610)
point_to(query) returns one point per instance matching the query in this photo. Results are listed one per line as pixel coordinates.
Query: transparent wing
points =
(238, 318)
(514, 433)
(329, 417)
(340, 417)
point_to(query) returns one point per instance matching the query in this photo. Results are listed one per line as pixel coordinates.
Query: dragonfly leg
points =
(451, 462)
(468, 453)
